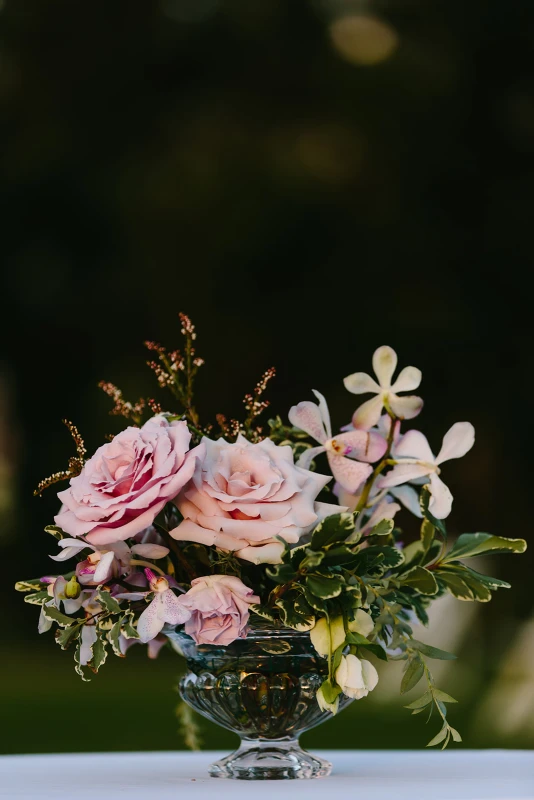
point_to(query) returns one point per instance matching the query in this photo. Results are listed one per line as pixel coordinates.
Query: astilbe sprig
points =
(75, 464)
(122, 407)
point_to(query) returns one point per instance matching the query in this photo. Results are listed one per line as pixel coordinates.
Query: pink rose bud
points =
(219, 606)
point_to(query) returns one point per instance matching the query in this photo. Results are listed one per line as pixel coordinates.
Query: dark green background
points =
(223, 159)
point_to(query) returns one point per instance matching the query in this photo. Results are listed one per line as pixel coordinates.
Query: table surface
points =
(364, 774)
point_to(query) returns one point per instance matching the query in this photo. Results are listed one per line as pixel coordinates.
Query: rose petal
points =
(150, 550)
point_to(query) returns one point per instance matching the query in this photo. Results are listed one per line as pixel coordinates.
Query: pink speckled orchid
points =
(384, 365)
(163, 608)
(107, 562)
(416, 461)
(341, 450)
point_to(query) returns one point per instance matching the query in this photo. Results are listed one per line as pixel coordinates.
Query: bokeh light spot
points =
(363, 39)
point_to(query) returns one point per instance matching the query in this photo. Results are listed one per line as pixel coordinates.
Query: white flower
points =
(342, 449)
(326, 638)
(384, 365)
(417, 461)
(356, 677)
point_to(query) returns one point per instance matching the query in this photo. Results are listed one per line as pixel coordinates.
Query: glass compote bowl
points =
(262, 688)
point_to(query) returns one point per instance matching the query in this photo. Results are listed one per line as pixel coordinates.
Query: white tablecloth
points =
(362, 775)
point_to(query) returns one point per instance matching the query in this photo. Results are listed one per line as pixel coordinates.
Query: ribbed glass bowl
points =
(262, 688)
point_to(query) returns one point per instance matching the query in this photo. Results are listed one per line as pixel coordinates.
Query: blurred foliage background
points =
(308, 180)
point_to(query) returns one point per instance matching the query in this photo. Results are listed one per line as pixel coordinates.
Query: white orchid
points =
(341, 450)
(384, 365)
(164, 607)
(108, 561)
(416, 461)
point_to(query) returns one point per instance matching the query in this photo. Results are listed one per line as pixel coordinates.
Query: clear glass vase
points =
(262, 688)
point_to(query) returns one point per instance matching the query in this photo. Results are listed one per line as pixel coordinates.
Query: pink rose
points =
(219, 607)
(123, 487)
(244, 495)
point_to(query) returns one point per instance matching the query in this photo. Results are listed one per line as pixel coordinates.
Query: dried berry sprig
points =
(75, 462)
(256, 406)
(123, 408)
(176, 370)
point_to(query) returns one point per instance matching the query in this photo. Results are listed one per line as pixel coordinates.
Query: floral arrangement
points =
(173, 523)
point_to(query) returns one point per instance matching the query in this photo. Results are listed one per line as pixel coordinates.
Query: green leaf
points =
(33, 585)
(422, 701)
(109, 602)
(65, 636)
(424, 500)
(421, 580)
(113, 636)
(338, 554)
(491, 583)
(383, 528)
(312, 559)
(413, 674)
(431, 652)
(292, 618)
(361, 641)
(324, 588)
(99, 654)
(333, 529)
(427, 534)
(475, 544)
(52, 613)
(263, 611)
(37, 598)
(315, 602)
(77, 666)
(281, 573)
(439, 737)
(56, 532)
(128, 630)
(443, 696)
(330, 691)
(455, 735)
(456, 586)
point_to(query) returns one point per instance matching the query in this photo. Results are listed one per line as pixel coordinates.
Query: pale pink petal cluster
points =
(387, 393)
(219, 607)
(349, 453)
(127, 482)
(108, 561)
(244, 496)
(164, 608)
(416, 462)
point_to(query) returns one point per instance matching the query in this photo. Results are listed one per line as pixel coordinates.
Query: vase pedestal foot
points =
(270, 760)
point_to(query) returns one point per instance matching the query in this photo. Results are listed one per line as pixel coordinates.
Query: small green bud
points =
(73, 589)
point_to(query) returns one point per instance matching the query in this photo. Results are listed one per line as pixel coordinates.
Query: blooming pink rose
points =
(219, 607)
(243, 495)
(123, 487)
